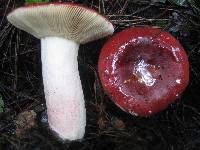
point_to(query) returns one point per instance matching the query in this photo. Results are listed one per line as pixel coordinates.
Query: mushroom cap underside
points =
(65, 20)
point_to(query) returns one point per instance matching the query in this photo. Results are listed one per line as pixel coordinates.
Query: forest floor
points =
(23, 120)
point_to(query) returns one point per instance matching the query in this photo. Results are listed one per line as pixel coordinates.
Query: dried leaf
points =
(118, 123)
(25, 121)
(102, 122)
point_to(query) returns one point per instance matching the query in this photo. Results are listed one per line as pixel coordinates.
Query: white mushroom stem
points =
(62, 87)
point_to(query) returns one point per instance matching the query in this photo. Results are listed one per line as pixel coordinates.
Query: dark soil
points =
(21, 88)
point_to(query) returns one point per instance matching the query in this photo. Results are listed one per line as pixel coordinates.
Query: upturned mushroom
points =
(143, 70)
(62, 27)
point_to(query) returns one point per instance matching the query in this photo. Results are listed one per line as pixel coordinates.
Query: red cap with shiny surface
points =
(143, 70)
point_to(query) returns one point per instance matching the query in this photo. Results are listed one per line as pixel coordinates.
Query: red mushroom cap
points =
(143, 70)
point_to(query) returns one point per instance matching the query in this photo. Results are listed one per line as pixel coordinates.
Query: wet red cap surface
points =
(143, 70)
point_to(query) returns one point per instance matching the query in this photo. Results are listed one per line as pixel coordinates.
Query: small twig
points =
(5, 12)
(103, 6)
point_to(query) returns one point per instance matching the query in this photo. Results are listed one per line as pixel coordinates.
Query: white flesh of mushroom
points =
(62, 87)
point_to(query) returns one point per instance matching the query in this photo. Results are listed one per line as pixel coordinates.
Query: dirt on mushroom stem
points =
(21, 88)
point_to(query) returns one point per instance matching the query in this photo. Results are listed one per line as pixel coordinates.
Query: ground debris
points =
(24, 121)
(117, 123)
(102, 122)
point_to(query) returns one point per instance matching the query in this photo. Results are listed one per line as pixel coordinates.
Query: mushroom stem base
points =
(62, 87)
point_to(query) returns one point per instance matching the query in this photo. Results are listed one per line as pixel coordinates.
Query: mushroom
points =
(61, 28)
(143, 70)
